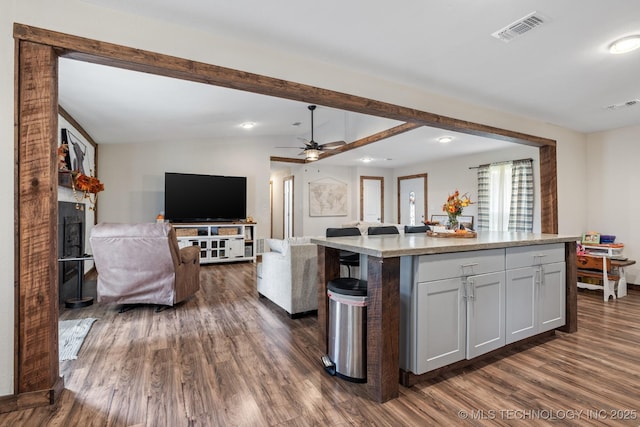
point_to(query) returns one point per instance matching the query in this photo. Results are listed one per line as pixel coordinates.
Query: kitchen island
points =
(401, 269)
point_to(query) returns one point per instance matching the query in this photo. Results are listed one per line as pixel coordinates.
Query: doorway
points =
(412, 199)
(372, 199)
(287, 197)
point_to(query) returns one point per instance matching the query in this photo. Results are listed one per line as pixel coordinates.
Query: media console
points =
(219, 241)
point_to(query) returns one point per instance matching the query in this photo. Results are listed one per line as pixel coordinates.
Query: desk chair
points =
(385, 229)
(347, 258)
(416, 229)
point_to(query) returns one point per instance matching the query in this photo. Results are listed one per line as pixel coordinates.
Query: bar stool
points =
(347, 258)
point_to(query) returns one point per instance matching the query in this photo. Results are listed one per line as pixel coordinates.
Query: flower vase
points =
(453, 222)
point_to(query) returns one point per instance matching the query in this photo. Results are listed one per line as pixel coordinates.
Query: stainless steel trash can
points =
(347, 332)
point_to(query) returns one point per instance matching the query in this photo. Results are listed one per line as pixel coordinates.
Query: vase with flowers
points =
(89, 185)
(453, 207)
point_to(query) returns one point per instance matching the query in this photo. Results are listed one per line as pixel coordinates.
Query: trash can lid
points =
(348, 286)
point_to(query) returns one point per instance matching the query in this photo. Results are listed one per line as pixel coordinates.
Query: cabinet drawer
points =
(457, 264)
(527, 256)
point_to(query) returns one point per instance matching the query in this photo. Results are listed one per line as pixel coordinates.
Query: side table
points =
(79, 301)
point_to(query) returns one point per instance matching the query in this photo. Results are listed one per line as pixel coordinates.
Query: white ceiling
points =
(559, 72)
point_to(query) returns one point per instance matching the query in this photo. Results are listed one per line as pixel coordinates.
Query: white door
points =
(372, 198)
(412, 203)
(288, 207)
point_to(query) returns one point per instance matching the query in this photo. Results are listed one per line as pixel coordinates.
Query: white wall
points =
(7, 196)
(444, 177)
(612, 175)
(80, 18)
(133, 175)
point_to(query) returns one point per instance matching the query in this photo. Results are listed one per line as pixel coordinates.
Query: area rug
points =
(71, 335)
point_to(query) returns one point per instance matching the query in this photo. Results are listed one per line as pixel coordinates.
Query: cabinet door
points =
(440, 328)
(236, 248)
(485, 313)
(551, 310)
(522, 307)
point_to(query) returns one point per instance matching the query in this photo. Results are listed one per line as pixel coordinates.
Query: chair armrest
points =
(189, 255)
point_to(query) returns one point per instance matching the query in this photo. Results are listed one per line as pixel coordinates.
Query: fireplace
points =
(71, 233)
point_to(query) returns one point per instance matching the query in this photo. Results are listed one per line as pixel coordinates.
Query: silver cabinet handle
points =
(472, 286)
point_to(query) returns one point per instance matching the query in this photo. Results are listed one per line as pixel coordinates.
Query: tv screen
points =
(198, 198)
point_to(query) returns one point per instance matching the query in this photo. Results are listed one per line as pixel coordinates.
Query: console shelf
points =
(219, 241)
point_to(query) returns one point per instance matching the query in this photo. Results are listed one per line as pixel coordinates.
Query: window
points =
(505, 196)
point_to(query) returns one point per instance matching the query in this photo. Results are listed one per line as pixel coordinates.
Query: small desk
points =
(617, 264)
(79, 301)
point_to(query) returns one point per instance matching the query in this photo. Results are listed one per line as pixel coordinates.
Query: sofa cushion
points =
(278, 245)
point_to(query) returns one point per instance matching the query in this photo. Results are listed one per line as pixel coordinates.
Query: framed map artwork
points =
(327, 198)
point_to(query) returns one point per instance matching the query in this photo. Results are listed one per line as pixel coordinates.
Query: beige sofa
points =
(287, 275)
(142, 264)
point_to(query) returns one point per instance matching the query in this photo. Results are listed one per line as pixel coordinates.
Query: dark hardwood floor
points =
(226, 357)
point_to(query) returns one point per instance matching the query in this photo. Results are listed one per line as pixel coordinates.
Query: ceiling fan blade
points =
(331, 145)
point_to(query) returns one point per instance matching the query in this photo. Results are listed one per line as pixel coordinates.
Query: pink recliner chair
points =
(142, 264)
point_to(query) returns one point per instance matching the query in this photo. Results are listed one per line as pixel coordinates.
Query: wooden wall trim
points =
(548, 190)
(37, 352)
(68, 117)
(32, 399)
(140, 60)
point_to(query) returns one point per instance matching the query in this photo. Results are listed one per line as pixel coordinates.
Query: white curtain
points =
(505, 196)
(500, 196)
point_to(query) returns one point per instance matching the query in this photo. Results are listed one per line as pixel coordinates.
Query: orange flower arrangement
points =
(454, 205)
(88, 184)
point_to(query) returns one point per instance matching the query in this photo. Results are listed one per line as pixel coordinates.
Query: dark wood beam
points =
(37, 316)
(287, 159)
(150, 62)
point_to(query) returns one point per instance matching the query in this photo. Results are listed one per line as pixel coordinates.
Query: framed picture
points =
(591, 238)
(77, 151)
(327, 198)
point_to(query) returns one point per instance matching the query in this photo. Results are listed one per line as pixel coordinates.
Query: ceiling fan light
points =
(625, 45)
(312, 154)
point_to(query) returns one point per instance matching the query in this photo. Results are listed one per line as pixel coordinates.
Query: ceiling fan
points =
(312, 149)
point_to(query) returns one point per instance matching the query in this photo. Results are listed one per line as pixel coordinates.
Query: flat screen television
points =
(203, 198)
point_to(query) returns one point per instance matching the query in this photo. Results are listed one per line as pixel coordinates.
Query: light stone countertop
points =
(394, 245)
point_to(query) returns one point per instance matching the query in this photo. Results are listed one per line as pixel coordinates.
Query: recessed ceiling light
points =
(247, 125)
(445, 139)
(366, 159)
(625, 44)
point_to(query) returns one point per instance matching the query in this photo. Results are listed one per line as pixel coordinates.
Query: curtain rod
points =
(498, 163)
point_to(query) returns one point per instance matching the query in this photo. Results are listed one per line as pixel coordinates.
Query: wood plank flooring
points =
(226, 358)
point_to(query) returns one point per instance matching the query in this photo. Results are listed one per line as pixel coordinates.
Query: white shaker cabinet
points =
(535, 290)
(460, 316)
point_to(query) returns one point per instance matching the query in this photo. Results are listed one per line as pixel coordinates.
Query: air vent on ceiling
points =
(519, 27)
(625, 104)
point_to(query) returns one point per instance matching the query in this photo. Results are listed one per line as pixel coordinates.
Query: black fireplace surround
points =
(71, 235)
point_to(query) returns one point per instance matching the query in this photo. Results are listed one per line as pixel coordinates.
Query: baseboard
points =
(32, 399)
